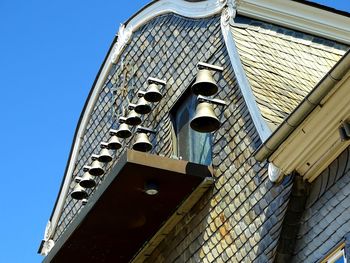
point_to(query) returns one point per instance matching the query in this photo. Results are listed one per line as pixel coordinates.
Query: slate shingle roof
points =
(282, 65)
(326, 219)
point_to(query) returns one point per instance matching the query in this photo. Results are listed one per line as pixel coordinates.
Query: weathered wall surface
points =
(239, 220)
(326, 220)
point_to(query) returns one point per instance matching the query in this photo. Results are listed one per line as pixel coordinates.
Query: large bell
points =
(114, 143)
(153, 94)
(205, 119)
(124, 131)
(79, 192)
(105, 156)
(96, 169)
(143, 106)
(133, 118)
(87, 181)
(205, 84)
(142, 143)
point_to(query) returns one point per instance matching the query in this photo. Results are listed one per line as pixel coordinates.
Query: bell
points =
(87, 181)
(79, 192)
(133, 118)
(142, 106)
(205, 119)
(153, 94)
(96, 169)
(123, 131)
(142, 143)
(105, 156)
(205, 84)
(114, 143)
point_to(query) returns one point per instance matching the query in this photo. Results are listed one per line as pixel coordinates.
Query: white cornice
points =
(316, 141)
(299, 16)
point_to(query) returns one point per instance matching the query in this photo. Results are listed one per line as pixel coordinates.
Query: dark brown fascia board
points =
(131, 156)
(302, 111)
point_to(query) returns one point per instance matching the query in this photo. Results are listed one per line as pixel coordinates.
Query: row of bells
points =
(204, 121)
(142, 143)
(88, 179)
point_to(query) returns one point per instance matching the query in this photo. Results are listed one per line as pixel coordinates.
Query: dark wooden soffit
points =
(120, 217)
(292, 220)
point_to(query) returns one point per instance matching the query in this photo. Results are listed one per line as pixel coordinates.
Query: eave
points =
(308, 18)
(120, 217)
(308, 140)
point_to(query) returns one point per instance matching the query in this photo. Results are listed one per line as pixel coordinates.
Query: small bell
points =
(142, 143)
(133, 118)
(79, 192)
(105, 155)
(153, 94)
(87, 181)
(96, 169)
(123, 131)
(205, 84)
(114, 143)
(205, 120)
(142, 106)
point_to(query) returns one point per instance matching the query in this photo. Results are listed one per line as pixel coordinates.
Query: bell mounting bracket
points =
(113, 132)
(156, 81)
(201, 98)
(104, 145)
(77, 179)
(131, 106)
(94, 157)
(203, 65)
(86, 168)
(141, 93)
(142, 129)
(122, 119)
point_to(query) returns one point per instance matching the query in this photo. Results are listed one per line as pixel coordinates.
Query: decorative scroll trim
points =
(48, 243)
(124, 35)
(274, 173)
(47, 246)
(229, 12)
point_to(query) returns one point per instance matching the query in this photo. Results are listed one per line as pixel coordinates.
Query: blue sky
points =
(50, 54)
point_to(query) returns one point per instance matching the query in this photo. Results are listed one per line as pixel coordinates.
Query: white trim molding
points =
(298, 16)
(243, 83)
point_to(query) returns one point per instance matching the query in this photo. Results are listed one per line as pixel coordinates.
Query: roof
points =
(282, 65)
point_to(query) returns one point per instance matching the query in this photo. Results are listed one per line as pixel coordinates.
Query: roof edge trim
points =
(243, 83)
(308, 19)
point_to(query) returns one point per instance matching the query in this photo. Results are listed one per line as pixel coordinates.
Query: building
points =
(271, 184)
